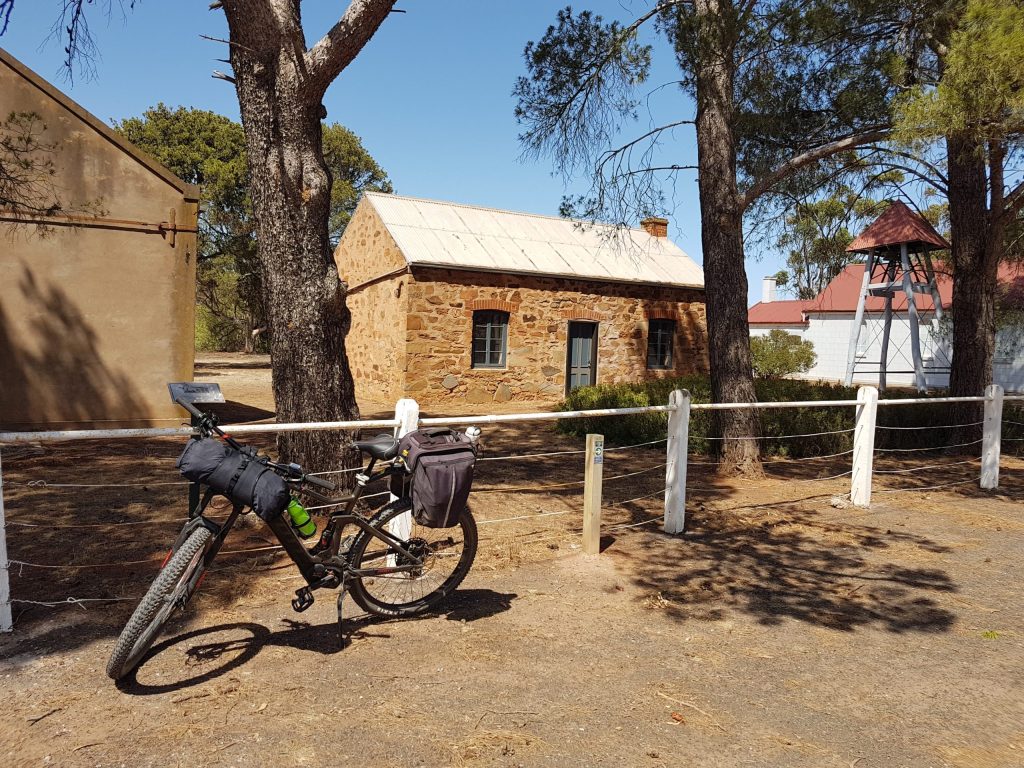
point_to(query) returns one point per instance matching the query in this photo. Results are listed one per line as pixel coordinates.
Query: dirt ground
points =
(783, 629)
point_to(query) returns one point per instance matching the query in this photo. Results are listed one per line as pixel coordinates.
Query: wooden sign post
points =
(592, 476)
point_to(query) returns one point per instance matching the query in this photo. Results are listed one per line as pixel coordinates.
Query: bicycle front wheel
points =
(445, 555)
(171, 589)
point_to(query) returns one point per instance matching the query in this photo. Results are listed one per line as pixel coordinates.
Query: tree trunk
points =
(291, 189)
(976, 240)
(725, 275)
(248, 341)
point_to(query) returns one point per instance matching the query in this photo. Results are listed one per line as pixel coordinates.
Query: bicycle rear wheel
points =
(447, 555)
(171, 589)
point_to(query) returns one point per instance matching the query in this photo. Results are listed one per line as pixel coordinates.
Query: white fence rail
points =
(679, 410)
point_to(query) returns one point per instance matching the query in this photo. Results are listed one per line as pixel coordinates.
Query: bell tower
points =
(898, 275)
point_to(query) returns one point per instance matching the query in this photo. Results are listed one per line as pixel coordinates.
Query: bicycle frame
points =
(323, 565)
(331, 562)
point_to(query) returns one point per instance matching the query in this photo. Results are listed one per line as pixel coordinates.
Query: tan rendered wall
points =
(95, 319)
(376, 342)
(439, 333)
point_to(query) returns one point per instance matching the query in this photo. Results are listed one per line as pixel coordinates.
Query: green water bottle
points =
(301, 521)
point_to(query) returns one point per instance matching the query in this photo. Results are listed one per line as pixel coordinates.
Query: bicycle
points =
(391, 566)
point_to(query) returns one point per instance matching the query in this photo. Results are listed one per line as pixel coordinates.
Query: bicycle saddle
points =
(380, 447)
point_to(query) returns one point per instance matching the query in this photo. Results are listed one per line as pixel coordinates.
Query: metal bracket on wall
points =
(169, 227)
(166, 229)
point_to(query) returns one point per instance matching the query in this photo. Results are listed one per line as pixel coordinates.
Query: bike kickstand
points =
(341, 621)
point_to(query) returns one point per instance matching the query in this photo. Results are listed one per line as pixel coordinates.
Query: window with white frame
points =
(490, 338)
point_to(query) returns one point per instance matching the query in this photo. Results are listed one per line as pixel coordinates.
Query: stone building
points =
(456, 303)
(97, 268)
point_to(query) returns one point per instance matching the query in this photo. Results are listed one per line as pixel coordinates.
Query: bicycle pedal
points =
(302, 600)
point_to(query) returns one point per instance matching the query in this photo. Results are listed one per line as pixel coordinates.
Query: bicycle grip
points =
(325, 484)
(189, 407)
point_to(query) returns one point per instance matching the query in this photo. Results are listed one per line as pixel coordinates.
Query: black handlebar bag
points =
(240, 476)
(439, 465)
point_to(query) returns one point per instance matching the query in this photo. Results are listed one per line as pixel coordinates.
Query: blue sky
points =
(430, 95)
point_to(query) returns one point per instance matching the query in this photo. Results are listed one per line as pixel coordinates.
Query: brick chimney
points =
(655, 226)
(768, 290)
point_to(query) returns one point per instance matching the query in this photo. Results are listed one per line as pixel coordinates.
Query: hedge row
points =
(775, 422)
(1013, 428)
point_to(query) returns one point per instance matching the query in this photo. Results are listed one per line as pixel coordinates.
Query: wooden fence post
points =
(675, 468)
(990, 438)
(6, 618)
(592, 475)
(407, 413)
(864, 446)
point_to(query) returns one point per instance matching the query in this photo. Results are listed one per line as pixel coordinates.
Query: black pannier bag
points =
(439, 463)
(238, 475)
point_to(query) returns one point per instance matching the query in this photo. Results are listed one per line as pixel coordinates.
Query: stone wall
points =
(366, 255)
(439, 333)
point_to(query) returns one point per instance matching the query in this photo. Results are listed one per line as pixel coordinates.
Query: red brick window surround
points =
(495, 304)
(583, 314)
(662, 314)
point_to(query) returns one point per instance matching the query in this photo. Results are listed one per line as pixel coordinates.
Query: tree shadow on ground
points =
(465, 605)
(792, 563)
(949, 474)
(773, 549)
(210, 361)
(93, 520)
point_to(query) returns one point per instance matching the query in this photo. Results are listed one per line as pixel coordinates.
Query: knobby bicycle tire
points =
(178, 576)
(400, 594)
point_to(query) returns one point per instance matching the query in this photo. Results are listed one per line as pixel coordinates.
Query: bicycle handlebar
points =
(190, 408)
(207, 422)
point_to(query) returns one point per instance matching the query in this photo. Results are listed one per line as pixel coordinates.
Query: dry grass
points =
(492, 747)
(780, 609)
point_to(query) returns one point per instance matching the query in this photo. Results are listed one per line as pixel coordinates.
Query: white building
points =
(826, 321)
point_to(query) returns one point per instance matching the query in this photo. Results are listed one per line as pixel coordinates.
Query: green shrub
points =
(776, 423)
(1013, 429)
(206, 339)
(624, 430)
(818, 422)
(615, 396)
(780, 354)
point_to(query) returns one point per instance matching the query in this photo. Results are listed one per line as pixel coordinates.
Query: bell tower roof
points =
(896, 226)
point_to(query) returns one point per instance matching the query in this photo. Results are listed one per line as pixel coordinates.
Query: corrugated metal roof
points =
(434, 233)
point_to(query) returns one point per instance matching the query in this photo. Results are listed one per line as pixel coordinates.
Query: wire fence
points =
(630, 464)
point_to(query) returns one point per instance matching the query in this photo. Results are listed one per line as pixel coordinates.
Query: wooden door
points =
(581, 357)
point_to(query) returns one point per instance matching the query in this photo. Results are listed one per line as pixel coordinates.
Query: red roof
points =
(778, 312)
(898, 225)
(842, 293)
